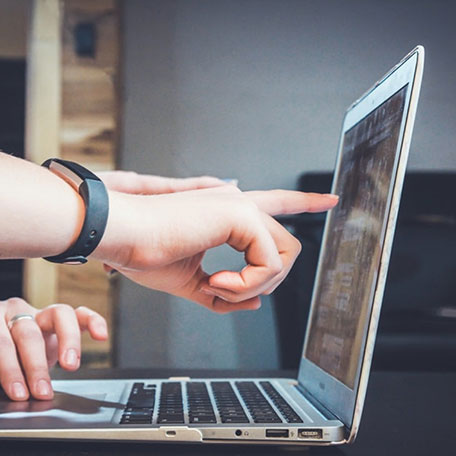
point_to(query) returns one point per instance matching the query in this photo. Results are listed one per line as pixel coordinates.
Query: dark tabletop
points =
(405, 414)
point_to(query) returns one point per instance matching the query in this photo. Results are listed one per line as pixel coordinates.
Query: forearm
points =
(40, 214)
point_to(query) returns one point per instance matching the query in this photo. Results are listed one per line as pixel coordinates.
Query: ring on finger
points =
(19, 317)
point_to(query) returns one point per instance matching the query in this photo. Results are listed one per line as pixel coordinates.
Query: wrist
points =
(116, 245)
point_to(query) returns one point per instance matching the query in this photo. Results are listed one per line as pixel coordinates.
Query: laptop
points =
(323, 405)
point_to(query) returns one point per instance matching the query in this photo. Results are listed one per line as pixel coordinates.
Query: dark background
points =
(12, 119)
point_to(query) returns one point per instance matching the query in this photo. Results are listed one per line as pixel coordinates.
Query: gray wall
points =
(256, 90)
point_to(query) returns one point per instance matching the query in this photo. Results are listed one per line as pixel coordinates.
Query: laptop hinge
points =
(318, 405)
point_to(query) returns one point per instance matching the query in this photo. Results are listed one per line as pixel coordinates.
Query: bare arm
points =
(159, 240)
(40, 214)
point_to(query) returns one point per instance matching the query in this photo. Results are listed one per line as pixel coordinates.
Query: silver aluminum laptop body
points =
(328, 394)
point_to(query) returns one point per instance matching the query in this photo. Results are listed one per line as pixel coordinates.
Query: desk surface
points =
(405, 414)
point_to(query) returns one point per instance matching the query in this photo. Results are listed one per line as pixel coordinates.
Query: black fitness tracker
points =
(96, 200)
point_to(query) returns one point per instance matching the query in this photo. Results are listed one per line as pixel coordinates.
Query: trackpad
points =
(65, 410)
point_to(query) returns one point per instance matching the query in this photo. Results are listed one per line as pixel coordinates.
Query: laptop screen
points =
(345, 286)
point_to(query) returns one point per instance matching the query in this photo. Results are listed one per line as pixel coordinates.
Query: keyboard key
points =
(199, 403)
(170, 419)
(228, 405)
(140, 405)
(203, 419)
(285, 409)
(256, 403)
(170, 409)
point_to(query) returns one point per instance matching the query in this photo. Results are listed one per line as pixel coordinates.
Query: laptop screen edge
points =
(342, 401)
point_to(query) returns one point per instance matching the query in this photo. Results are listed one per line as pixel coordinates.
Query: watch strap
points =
(96, 201)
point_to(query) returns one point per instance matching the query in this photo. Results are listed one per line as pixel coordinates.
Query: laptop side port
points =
(277, 433)
(315, 434)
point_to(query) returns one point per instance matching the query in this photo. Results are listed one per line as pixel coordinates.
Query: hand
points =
(30, 348)
(159, 241)
(146, 184)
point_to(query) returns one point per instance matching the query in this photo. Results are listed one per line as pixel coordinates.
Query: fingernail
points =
(102, 329)
(71, 357)
(43, 388)
(231, 181)
(18, 390)
(330, 195)
(207, 291)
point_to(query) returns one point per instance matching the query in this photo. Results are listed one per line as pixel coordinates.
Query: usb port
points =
(277, 433)
(315, 434)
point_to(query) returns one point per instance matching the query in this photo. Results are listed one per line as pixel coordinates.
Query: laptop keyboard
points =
(282, 405)
(258, 406)
(140, 405)
(245, 403)
(228, 405)
(171, 408)
(199, 404)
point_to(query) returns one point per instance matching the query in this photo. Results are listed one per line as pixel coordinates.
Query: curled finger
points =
(61, 320)
(227, 284)
(92, 321)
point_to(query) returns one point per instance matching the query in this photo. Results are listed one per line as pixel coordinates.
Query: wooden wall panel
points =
(80, 119)
(88, 135)
(90, 85)
(43, 103)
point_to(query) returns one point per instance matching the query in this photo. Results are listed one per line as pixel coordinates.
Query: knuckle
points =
(66, 307)
(250, 206)
(276, 267)
(62, 308)
(297, 246)
(16, 303)
(247, 210)
(84, 309)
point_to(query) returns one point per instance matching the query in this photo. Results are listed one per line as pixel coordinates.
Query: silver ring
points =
(18, 317)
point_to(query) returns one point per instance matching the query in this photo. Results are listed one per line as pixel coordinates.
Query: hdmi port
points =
(275, 433)
(310, 434)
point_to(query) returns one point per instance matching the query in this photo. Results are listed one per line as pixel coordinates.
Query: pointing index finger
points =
(275, 202)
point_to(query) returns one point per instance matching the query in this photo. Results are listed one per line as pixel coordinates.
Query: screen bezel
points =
(334, 395)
